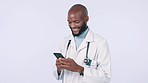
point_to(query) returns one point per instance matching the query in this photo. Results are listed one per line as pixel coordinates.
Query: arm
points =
(102, 73)
(56, 72)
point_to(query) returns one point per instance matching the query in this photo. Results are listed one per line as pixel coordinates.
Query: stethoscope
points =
(87, 61)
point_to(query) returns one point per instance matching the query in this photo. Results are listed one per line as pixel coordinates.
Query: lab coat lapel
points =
(72, 49)
(89, 38)
(82, 45)
(80, 57)
(72, 44)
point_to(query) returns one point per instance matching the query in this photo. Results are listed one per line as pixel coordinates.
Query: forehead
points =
(75, 15)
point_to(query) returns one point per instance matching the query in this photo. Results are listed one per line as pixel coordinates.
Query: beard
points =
(82, 29)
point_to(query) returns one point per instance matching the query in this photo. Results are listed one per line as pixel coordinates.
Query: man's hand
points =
(68, 64)
(58, 64)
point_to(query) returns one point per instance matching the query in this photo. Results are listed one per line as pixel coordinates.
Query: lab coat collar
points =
(89, 37)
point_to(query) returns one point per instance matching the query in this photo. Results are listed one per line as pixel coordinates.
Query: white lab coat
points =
(98, 72)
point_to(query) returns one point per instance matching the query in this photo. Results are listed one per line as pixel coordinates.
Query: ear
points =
(86, 19)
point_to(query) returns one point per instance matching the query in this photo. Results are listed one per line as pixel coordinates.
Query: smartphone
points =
(58, 55)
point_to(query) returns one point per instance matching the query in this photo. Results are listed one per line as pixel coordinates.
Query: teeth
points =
(74, 29)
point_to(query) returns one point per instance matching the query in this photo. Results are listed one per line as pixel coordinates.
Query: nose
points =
(72, 25)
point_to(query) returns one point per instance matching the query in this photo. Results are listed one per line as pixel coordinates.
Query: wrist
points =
(82, 72)
(79, 69)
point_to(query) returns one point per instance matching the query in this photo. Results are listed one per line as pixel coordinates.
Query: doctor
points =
(87, 58)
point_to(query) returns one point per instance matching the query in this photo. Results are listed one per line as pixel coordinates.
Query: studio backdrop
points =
(31, 30)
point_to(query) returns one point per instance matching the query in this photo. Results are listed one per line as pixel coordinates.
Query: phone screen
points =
(58, 55)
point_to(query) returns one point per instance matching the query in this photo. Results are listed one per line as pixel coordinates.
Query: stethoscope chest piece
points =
(87, 61)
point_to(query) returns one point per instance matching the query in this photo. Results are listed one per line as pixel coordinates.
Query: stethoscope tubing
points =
(86, 60)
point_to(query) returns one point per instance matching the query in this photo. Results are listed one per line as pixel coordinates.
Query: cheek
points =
(75, 25)
(79, 25)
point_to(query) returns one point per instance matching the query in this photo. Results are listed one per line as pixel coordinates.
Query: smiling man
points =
(77, 19)
(87, 58)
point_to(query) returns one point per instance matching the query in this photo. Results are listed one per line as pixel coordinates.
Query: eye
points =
(77, 21)
(69, 22)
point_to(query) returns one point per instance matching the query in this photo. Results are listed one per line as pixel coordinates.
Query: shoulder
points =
(99, 40)
(97, 37)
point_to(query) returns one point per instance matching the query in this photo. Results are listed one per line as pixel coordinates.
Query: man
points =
(86, 54)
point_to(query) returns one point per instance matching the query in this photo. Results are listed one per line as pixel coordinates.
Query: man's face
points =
(76, 22)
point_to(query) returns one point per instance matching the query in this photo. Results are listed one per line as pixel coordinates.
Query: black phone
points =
(58, 55)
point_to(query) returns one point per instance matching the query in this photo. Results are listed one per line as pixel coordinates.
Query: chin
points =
(76, 34)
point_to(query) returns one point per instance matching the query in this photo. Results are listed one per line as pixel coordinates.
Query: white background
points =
(30, 31)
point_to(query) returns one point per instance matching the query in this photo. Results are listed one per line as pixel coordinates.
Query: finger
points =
(57, 60)
(64, 60)
(64, 66)
(61, 58)
(58, 63)
(68, 58)
(71, 61)
(65, 63)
